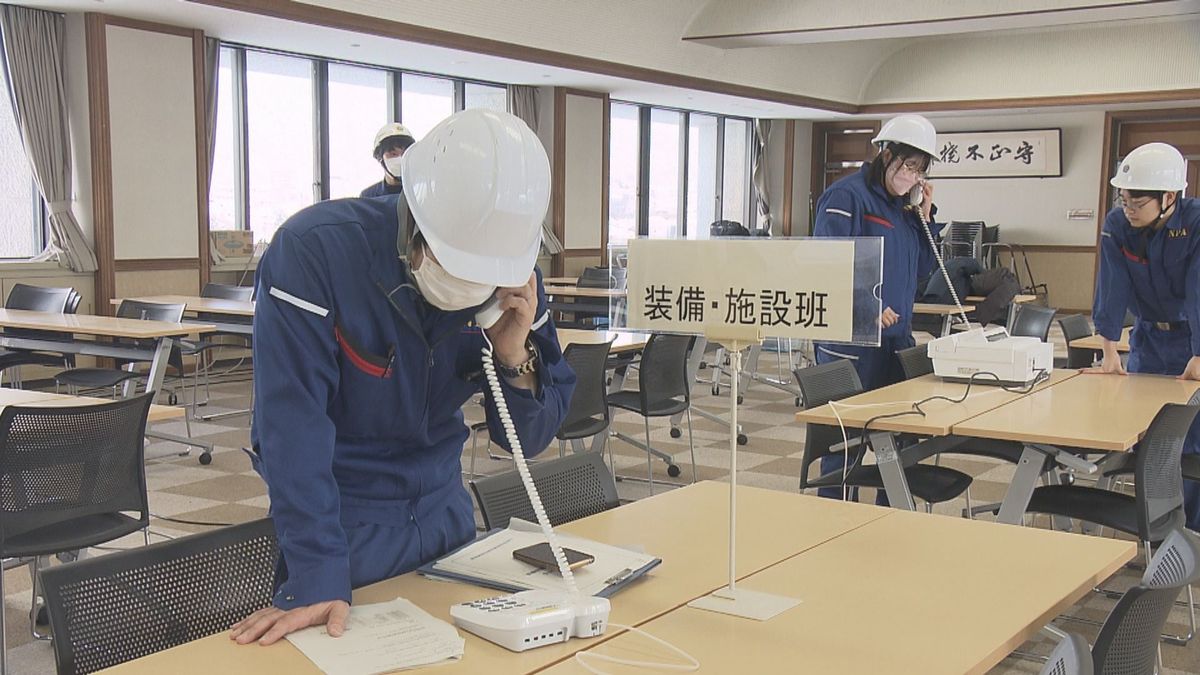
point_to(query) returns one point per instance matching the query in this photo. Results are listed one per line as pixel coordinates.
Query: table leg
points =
(158, 368)
(1012, 509)
(945, 325)
(892, 471)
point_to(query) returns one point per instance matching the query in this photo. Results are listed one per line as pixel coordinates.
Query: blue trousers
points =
(876, 367)
(1164, 352)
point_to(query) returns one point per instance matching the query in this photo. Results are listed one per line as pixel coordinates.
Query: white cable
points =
(692, 666)
(942, 265)
(514, 442)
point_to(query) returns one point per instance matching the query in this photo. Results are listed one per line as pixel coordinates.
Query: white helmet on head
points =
(913, 130)
(1153, 166)
(392, 130)
(478, 186)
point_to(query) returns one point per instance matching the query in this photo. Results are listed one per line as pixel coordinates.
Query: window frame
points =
(320, 65)
(645, 112)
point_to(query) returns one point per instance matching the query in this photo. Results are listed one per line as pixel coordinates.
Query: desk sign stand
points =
(731, 599)
(735, 291)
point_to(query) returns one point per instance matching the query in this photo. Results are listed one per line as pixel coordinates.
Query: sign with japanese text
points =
(998, 154)
(800, 288)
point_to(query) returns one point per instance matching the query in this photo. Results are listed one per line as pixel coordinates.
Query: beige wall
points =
(585, 155)
(153, 136)
(1068, 276)
(156, 282)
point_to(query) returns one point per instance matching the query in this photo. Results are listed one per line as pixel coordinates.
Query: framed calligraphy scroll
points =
(1025, 153)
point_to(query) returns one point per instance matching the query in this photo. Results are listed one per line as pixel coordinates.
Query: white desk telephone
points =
(531, 619)
(528, 619)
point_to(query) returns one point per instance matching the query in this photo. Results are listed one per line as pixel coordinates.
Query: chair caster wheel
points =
(205, 458)
(676, 433)
(673, 470)
(743, 439)
(797, 401)
(172, 399)
(703, 365)
(741, 399)
(716, 391)
(43, 618)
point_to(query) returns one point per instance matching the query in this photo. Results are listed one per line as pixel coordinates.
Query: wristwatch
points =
(528, 366)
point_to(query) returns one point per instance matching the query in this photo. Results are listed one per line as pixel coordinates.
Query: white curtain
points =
(523, 102)
(212, 55)
(33, 52)
(762, 131)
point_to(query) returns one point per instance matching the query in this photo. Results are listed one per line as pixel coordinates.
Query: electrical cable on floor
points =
(191, 522)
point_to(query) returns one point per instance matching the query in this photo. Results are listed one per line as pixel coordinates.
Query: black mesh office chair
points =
(1128, 640)
(1032, 321)
(203, 347)
(69, 478)
(570, 488)
(1075, 326)
(588, 414)
(36, 299)
(122, 606)
(1156, 507)
(76, 378)
(835, 381)
(663, 391)
(915, 361)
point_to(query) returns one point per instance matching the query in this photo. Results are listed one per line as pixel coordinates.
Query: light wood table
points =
(687, 528)
(560, 281)
(940, 421)
(158, 413)
(195, 303)
(162, 332)
(576, 292)
(942, 310)
(1096, 342)
(1108, 413)
(909, 593)
(622, 342)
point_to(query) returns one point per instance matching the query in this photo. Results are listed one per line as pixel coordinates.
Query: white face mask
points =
(447, 292)
(392, 164)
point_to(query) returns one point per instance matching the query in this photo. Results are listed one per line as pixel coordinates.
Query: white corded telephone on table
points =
(528, 619)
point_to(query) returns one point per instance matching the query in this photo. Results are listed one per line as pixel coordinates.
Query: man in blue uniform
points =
(391, 141)
(362, 362)
(875, 202)
(1150, 265)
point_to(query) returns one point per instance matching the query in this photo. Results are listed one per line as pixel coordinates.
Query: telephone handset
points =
(489, 314)
(916, 195)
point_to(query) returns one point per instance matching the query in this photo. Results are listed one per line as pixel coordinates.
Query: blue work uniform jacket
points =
(381, 189)
(358, 385)
(852, 207)
(1155, 274)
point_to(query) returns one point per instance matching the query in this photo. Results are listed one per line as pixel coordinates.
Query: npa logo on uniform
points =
(1181, 233)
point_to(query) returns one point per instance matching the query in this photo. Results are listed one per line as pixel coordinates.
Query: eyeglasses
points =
(915, 167)
(1133, 206)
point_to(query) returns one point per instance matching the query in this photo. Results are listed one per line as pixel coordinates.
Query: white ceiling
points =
(760, 23)
(797, 68)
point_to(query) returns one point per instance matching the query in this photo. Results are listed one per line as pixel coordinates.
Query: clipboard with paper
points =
(488, 562)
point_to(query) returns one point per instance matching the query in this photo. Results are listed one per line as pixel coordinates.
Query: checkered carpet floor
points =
(228, 491)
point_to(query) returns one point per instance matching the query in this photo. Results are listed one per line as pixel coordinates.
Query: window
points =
(222, 189)
(291, 129)
(279, 115)
(623, 174)
(485, 96)
(735, 175)
(358, 107)
(425, 101)
(695, 169)
(701, 175)
(23, 234)
(666, 179)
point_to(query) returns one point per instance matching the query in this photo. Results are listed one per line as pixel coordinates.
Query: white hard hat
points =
(478, 186)
(1153, 166)
(912, 130)
(392, 130)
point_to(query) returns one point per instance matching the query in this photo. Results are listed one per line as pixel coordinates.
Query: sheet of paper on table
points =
(381, 638)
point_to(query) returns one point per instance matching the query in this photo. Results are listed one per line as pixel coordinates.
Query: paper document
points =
(491, 558)
(381, 638)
